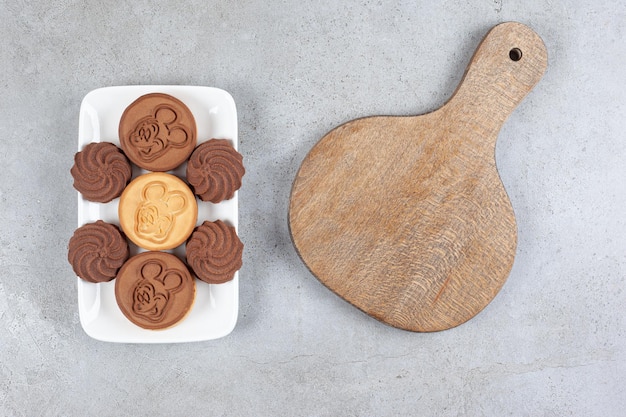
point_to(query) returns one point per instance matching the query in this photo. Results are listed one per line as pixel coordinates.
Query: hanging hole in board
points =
(515, 54)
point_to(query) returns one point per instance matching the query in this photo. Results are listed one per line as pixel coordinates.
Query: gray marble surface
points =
(552, 343)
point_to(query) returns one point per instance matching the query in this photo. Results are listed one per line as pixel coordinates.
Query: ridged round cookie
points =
(214, 170)
(154, 290)
(100, 172)
(157, 132)
(214, 252)
(96, 251)
(157, 211)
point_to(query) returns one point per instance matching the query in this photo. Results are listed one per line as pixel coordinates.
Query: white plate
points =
(214, 313)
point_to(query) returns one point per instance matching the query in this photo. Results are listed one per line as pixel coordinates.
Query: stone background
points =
(552, 343)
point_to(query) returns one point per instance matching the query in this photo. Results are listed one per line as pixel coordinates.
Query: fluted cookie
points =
(215, 170)
(100, 172)
(157, 211)
(157, 132)
(97, 251)
(214, 252)
(155, 290)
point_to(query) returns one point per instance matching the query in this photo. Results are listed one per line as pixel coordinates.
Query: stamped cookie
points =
(157, 211)
(155, 290)
(157, 132)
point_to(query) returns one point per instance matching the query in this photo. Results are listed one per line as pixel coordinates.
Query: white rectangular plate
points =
(214, 313)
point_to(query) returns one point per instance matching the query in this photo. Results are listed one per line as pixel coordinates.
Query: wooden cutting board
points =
(406, 218)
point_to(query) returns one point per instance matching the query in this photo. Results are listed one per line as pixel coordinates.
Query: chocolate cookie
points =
(157, 211)
(96, 251)
(155, 290)
(215, 170)
(100, 171)
(214, 252)
(157, 132)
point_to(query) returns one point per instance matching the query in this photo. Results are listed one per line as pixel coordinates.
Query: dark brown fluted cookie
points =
(155, 290)
(215, 170)
(97, 251)
(214, 252)
(157, 132)
(101, 171)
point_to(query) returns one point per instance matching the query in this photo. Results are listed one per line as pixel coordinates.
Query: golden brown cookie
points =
(214, 252)
(157, 132)
(155, 290)
(214, 170)
(157, 211)
(96, 251)
(100, 172)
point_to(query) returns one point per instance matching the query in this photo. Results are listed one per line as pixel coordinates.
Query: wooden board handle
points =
(508, 63)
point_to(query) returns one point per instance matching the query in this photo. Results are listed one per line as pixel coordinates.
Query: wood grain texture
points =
(406, 218)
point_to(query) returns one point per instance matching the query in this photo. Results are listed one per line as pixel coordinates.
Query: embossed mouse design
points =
(153, 291)
(156, 215)
(153, 134)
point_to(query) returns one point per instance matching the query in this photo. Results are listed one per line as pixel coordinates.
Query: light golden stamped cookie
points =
(157, 211)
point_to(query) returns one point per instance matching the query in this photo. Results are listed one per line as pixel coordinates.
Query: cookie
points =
(157, 132)
(157, 211)
(214, 170)
(214, 252)
(97, 251)
(154, 290)
(100, 172)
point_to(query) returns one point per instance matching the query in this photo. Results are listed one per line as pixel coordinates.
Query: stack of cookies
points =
(158, 211)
